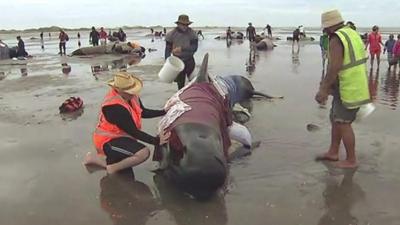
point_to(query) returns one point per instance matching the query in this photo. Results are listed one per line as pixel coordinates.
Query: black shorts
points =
(296, 38)
(339, 113)
(121, 148)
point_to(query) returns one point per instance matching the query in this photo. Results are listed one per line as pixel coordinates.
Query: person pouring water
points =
(182, 42)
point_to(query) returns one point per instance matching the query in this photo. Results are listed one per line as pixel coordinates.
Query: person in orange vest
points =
(119, 128)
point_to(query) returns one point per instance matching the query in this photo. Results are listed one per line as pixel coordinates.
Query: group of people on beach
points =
(391, 48)
(119, 127)
(373, 42)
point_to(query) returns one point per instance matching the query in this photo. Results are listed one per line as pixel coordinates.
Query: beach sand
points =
(42, 180)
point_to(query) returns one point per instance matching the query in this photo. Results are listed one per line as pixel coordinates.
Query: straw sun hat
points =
(126, 82)
(331, 18)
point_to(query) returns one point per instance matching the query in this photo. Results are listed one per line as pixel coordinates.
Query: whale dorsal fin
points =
(202, 76)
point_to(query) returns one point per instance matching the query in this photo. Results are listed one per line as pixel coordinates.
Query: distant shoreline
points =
(57, 28)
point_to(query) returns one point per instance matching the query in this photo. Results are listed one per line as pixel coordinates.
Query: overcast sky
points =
(21, 14)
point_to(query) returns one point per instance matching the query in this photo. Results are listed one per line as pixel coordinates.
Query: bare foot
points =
(327, 157)
(346, 164)
(93, 159)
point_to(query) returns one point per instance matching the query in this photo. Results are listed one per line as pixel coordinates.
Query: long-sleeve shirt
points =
(94, 35)
(120, 116)
(103, 35)
(389, 44)
(324, 42)
(63, 37)
(21, 49)
(187, 40)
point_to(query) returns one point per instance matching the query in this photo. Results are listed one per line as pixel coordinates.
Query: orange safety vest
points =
(105, 131)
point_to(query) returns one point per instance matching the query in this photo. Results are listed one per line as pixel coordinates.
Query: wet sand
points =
(42, 180)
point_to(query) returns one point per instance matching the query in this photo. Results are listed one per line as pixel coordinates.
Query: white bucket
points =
(365, 110)
(172, 67)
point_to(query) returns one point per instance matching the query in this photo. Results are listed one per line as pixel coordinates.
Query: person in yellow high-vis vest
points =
(346, 79)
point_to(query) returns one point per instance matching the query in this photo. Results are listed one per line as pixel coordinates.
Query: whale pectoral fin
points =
(239, 153)
(202, 76)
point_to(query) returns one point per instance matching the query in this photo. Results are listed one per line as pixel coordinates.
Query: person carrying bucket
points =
(182, 42)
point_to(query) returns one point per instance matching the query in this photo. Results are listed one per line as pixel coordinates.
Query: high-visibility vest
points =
(353, 82)
(105, 131)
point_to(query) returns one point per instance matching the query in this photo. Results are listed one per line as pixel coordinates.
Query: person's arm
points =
(395, 49)
(168, 49)
(368, 38)
(121, 117)
(336, 52)
(385, 46)
(150, 113)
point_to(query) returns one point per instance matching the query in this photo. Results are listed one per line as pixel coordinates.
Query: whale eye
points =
(204, 136)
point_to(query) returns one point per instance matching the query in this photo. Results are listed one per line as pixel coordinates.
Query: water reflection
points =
(296, 61)
(118, 64)
(2, 75)
(339, 198)
(186, 210)
(98, 69)
(72, 115)
(251, 61)
(126, 200)
(373, 81)
(391, 89)
(24, 71)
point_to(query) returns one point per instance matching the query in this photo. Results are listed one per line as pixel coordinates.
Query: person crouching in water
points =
(119, 128)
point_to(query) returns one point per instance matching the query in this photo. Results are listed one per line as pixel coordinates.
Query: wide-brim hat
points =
(331, 18)
(126, 82)
(184, 19)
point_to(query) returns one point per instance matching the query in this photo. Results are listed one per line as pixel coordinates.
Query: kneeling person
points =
(118, 130)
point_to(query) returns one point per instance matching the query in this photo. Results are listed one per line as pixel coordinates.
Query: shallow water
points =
(42, 180)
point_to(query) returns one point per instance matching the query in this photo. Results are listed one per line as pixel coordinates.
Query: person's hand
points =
(177, 51)
(322, 96)
(164, 137)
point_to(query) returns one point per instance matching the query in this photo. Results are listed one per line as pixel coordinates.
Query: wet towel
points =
(176, 107)
(207, 107)
(230, 87)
